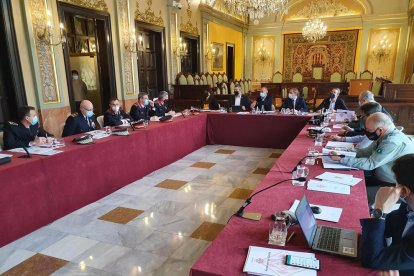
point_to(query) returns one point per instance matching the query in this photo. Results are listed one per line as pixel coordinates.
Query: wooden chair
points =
(317, 72)
(231, 85)
(277, 77)
(242, 85)
(209, 80)
(350, 75)
(297, 77)
(225, 78)
(182, 80)
(219, 78)
(190, 79)
(366, 75)
(335, 77)
(215, 80)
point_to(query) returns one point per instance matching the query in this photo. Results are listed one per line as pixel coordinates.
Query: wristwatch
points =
(378, 214)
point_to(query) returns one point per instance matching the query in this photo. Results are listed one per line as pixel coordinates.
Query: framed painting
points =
(218, 50)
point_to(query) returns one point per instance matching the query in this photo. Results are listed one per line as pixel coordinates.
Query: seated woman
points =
(294, 102)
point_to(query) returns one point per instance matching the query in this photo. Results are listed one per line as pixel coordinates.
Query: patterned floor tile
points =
(207, 231)
(121, 215)
(225, 151)
(39, 264)
(204, 165)
(240, 193)
(171, 184)
(263, 171)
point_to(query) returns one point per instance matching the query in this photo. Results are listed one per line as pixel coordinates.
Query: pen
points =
(290, 237)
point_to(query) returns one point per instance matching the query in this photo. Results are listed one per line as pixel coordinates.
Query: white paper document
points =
(37, 150)
(2, 155)
(98, 134)
(243, 113)
(344, 115)
(337, 126)
(345, 145)
(271, 262)
(327, 213)
(328, 187)
(345, 179)
(345, 152)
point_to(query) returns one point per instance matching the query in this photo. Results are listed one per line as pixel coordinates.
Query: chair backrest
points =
(225, 78)
(209, 80)
(182, 80)
(190, 79)
(336, 77)
(297, 77)
(350, 75)
(100, 120)
(224, 88)
(203, 79)
(197, 81)
(277, 77)
(246, 86)
(219, 78)
(215, 80)
(305, 93)
(376, 87)
(1, 141)
(242, 85)
(366, 75)
(317, 73)
(231, 87)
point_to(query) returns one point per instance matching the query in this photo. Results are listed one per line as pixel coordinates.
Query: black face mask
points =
(372, 135)
(236, 93)
(332, 96)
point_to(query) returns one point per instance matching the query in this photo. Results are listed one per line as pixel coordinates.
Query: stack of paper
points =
(343, 151)
(344, 115)
(327, 213)
(328, 187)
(98, 134)
(345, 179)
(37, 150)
(341, 145)
(269, 261)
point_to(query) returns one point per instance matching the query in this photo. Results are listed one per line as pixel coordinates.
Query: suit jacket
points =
(300, 104)
(212, 103)
(16, 135)
(160, 109)
(339, 104)
(113, 119)
(77, 123)
(138, 113)
(244, 101)
(400, 254)
(266, 102)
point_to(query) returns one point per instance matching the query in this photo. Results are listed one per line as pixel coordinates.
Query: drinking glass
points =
(319, 139)
(312, 153)
(301, 171)
(278, 229)
(108, 130)
(145, 123)
(283, 111)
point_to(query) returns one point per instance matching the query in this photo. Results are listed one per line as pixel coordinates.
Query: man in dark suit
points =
(161, 106)
(239, 99)
(294, 102)
(210, 100)
(264, 101)
(333, 102)
(26, 132)
(82, 121)
(143, 109)
(388, 243)
(115, 115)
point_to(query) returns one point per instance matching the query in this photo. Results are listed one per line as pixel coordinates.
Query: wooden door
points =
(147, 64)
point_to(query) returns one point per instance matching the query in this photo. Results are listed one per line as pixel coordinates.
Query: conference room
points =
(202, 137)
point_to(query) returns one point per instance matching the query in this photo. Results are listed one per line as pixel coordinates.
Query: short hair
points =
(366, 95)
(337, 89)
(295, 90)
(113, 99)
(75, 72)
(141, 95)
(370, 108)
(163, 94)
(403, 169)
(381, 120)
(265, 88)
(24, 111)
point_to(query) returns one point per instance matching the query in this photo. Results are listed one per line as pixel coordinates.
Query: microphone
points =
(313, 156)
(132, 126)
(256, 216)
(28, 155)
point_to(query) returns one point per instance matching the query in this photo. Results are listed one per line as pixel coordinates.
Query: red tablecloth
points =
(227, 253)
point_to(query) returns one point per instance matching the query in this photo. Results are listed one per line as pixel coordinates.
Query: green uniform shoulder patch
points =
(379, 150)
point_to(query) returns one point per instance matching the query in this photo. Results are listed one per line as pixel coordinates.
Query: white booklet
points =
(327, 213)
(345, 179)
(344, 115)
(328, 163)
(328, 187)
(346, 152)
(271, 262)
(98, 134)
(334, 144)
(37, 150)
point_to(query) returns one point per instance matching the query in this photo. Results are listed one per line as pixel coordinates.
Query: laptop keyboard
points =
(329, 239)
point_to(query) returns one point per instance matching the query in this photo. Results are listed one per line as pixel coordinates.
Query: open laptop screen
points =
(306, 220)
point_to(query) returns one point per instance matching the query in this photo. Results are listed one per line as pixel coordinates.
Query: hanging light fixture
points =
(256, 9)
(314, 30)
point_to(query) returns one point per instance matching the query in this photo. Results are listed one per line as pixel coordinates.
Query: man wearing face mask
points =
(79, 89)
(333, 102)
(389, 144)
(264, 101)
(161, 105)
(81, 121)
(115, 115)
(240, 99)
(294, 102)
(388, 237)
(26, 132)
(143, 109)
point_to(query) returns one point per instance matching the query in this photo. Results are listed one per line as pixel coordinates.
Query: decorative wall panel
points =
(263, 57)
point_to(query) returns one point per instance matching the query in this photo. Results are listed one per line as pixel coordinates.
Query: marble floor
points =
(157, 225)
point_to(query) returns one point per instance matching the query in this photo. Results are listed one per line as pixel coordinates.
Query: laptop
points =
(325, 238)
(236, 108)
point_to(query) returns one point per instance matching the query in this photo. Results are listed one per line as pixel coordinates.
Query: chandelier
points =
(256, 9)
(382, 51)
(314, 30)
(263, 55)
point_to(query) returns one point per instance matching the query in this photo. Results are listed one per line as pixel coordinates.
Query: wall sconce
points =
(211, 52)
(181, 50)
(131, 44)
(382, 51)
(47, 36)
(263, 55)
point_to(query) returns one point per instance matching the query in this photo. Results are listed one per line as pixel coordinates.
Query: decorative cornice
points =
(188, 27)
(99, 5)
(148, 16)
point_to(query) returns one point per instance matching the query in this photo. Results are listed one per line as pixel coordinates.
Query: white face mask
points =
(75, 77)
(292, 97)
(115, 108)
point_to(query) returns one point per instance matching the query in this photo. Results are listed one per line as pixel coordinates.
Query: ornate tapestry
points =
(335, 53)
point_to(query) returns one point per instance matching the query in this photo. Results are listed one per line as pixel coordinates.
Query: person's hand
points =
(243, 107)
(342, 132)
(336, 138)
(151, 103)
(171, 112)
(49, 140)
(253, 104)
(389, 273)
(386, 197)
(347, 128)
(334, 156)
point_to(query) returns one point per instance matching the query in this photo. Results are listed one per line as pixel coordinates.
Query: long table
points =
(37, 191)
(227, 253)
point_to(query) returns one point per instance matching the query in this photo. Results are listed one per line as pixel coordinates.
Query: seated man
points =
(210, 100)
(388, 244)
(143, 109)
(115, 116)
(26, 132)
(389, 144)
(264, 101)
(81, 121)
(240, 99)
(294, 102)
(161, 107)
(333, 102)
